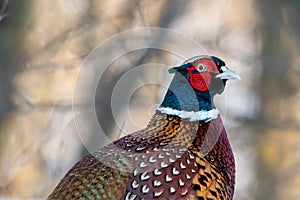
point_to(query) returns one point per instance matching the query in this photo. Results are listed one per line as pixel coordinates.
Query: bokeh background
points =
(43, 45)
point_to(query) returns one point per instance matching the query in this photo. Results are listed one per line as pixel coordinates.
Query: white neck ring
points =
(202, 115)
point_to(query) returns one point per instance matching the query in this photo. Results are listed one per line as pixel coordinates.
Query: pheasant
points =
(183, 152)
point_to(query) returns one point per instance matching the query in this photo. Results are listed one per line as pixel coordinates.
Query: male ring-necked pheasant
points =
(183, 153)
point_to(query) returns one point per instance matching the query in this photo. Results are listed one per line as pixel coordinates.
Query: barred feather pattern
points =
(172, 158)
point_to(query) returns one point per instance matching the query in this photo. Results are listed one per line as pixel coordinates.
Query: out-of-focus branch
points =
(3, 9)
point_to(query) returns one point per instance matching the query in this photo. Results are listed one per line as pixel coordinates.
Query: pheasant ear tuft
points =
(182, 67)
(172, 70)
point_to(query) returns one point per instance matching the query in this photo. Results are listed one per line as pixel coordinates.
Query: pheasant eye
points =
(201, 67)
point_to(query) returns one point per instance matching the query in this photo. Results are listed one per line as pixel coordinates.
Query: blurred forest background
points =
(43, 44)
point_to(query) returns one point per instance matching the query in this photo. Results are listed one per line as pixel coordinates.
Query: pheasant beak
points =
(228, 74)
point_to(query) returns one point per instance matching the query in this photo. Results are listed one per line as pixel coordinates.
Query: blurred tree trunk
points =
(275, 90)
(12, 30)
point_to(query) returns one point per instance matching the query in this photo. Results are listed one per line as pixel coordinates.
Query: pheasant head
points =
(194, 85)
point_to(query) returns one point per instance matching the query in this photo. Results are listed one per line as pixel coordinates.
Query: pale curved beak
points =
(228, 74)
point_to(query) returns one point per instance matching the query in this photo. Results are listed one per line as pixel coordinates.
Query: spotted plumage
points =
(183, 153)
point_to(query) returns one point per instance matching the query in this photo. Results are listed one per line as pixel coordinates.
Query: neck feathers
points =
(185, 102)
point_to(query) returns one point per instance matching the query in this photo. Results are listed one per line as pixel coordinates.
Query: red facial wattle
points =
(201, 80)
